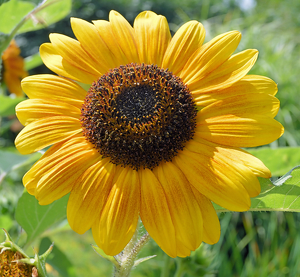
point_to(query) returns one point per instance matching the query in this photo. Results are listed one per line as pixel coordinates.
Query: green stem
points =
(127, 250)
(166, 268)
(179, 269)
(127, 257)
(40, 262)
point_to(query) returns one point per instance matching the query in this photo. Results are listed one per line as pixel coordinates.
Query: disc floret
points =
(138, 115)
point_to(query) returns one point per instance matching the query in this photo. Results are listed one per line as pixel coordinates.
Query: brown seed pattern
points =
(10, 267)
(138, 115)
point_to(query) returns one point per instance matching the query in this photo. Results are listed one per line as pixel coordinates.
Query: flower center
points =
(138, 115)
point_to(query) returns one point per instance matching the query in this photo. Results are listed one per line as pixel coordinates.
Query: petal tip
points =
(113, 13)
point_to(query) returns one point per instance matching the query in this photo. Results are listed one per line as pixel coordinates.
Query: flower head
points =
(13, 69)
(156, 136)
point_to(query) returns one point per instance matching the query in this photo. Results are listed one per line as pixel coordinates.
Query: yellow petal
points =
(256, 165)
(242, 105)
(60, 66)
(155, 213)
(235, 167)
(104, 29)
(185, 212)
(55, 174)
(248, 84)
(46, 131)
(125, 36)
(231, 71)
(214, 179)
(209, 57)
(211, 223)
(48, 160)
(58, 88)
(232, 130)
(93, 44)
(237, 155)
(153, 36)
(182, 251)
(71, 50)
(120, 214)
(184, 43)
(89, 195)
(34, 109)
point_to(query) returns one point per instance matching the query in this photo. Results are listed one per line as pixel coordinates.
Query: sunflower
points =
(13, 69)
(157, 136)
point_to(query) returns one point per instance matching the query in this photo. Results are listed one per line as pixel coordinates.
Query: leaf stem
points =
(25, 18)
(39, 7)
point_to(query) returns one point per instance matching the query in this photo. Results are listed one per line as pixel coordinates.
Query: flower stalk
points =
(126, 259)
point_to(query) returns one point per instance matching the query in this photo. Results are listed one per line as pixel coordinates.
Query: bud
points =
(10, 265)
(14, 262)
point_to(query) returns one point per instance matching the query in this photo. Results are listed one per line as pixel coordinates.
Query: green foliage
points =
(10, 161)
(3, 1)
(258, 244)
(6, 222)
(8, 105)
(35, 219)
(12, 12)
(51, 11)
(33, 61)
(57, 259)
(4, 42)
(278, 160)
(284, 197)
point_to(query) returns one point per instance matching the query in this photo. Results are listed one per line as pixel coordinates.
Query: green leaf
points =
(278, 160)
(285, 177)
(141, 260)
(285, 197)
(10, 160)
(35, 219)
(57, 259)
(8, 105)
(52, 11)
(13, 12)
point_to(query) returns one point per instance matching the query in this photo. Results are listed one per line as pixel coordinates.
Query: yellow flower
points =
(157, 135)
(13, 69)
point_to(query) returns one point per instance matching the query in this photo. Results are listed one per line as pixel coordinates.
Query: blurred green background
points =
(251, 244)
